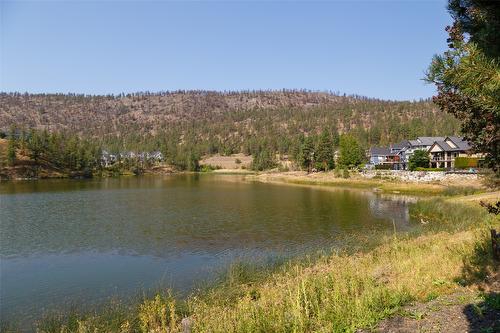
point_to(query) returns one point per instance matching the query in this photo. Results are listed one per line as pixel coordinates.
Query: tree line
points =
(67, 151)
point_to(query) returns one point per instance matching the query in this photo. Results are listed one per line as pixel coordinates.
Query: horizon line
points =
(221, 92)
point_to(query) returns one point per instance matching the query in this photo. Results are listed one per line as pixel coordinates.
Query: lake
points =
(66, 242)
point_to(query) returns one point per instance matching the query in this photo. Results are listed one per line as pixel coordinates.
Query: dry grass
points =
(228, 162)
(357, 181)
(343, 293)
(490, 197)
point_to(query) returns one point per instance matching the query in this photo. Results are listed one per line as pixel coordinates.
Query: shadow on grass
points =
(484, 317)
(480, 265)
(482, 269)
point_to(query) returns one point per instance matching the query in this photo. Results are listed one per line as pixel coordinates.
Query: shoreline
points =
(383, 185)
(464, 185)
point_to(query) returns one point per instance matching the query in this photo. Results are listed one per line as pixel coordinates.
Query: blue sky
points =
(372, 48)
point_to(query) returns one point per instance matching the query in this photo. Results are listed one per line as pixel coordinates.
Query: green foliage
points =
(158, 315)
(337, 171)
(351, 153)
(466, 162)
(306, 154)
(468, 74)
(324, 152)
(383, 167)
(223, 123)
(345, 173)
(419, 159)
(63, 151)
(428, 169)
(263, 160)
(11, 151)
(480, 19)
(186, 159)
(209, 168)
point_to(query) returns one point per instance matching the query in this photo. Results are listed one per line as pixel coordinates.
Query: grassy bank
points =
(384, 185)
(338, 292)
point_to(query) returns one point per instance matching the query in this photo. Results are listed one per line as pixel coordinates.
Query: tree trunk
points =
(495, 243)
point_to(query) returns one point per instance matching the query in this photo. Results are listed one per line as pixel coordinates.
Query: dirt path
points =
(466, 311)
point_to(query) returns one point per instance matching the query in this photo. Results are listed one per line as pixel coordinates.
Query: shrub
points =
(466, 162)
(429, 169)
(209, 167)
(383, 167)
(345, 173)
(419, 159)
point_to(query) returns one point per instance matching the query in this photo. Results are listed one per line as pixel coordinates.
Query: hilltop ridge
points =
(222, 122)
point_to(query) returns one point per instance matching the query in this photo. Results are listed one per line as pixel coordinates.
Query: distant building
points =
(108, 159)
(385, 157)
(442, 152)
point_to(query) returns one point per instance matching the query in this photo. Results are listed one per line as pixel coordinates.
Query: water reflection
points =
(66, 239)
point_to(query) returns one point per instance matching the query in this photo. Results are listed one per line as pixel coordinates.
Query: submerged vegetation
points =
(338, 291)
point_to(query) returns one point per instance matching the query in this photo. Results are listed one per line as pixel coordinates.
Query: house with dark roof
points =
(399, 151)
(378, 155)
(388, 157)
(420, 143)
(442, 153)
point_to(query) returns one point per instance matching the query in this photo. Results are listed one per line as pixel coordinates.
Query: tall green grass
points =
(438, 214)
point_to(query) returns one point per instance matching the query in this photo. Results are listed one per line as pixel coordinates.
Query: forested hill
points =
(225, 123)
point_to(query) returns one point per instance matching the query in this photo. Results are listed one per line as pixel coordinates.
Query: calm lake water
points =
(66, 242)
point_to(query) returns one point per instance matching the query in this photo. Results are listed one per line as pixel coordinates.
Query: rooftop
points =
(380, 151)
(429, 140)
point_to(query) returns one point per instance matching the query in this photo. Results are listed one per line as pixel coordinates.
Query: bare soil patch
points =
(232, 162)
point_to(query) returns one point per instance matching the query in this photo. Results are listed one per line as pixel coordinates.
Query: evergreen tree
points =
(11, 151)
(306, 155)
(193, 161)
(12, 146)
(263, 160)
(324, 152)
(467, 75)
(35, 146)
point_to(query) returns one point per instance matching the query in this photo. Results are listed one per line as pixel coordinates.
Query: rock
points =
(186, 324)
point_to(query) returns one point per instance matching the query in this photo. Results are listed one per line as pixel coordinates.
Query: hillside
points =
(219, 122)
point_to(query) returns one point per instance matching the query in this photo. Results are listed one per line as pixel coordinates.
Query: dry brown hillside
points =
(225, 118)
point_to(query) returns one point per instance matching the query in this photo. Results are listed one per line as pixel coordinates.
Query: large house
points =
(421, 143)
(397, 156)
(442, 152)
